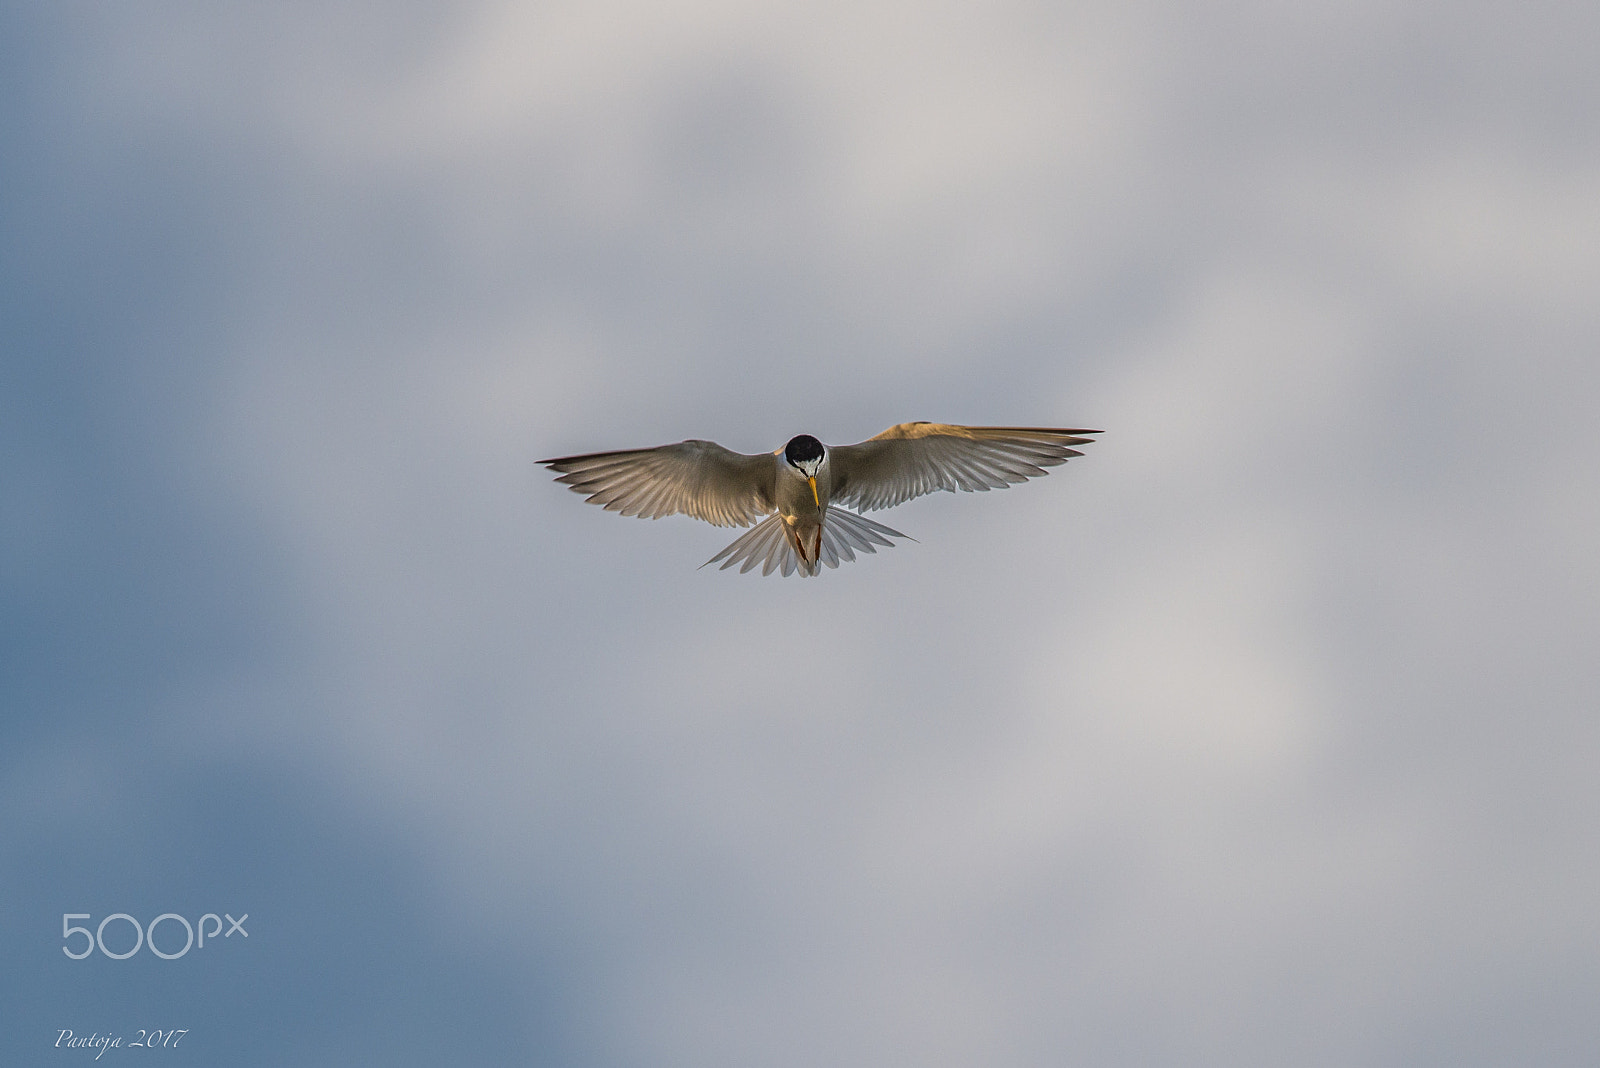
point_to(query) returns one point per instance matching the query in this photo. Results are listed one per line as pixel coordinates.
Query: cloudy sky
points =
(1264, 734)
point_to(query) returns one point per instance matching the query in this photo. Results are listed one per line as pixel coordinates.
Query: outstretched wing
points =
(697, 478)
(911, 459)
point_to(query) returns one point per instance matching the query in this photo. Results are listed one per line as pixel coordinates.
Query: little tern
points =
(801, 488)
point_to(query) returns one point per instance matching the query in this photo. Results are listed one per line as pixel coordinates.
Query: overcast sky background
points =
(1265, 734)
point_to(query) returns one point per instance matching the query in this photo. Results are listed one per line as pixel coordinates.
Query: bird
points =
(802, 489)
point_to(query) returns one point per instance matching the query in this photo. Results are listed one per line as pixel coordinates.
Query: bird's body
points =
(802, 487)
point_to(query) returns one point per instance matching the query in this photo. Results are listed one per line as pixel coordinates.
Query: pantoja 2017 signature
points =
(65, 1039)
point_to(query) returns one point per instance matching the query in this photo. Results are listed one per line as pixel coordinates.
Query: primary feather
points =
(696, 478)
(912, 459)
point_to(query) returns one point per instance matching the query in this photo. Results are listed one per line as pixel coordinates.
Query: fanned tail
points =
(764, 541)
(843, 532)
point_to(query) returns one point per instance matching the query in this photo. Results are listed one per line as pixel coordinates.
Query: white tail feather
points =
(843, 534)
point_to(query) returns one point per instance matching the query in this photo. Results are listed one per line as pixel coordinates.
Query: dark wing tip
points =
(567, 463)
(1052, 431)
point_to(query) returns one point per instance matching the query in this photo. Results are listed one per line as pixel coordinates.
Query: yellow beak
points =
(813, 480)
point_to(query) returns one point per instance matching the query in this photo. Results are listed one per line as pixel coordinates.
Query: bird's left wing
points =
(911, 459)
(697, 478)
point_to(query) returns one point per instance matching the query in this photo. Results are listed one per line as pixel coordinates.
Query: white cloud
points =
(1167, 752)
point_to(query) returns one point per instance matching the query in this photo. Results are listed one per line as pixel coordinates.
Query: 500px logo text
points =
(145, 935)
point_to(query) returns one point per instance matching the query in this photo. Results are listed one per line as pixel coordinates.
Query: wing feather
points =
(913, 459)
(695, 478)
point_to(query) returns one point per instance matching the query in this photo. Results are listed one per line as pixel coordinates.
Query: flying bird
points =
(801, 488)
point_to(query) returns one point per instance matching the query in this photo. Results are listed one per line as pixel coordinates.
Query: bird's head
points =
(805, 455)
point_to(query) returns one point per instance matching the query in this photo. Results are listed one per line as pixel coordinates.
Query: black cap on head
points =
(802, 449)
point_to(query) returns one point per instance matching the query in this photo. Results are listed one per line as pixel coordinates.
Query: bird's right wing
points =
(695, 478)
(911, 459)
